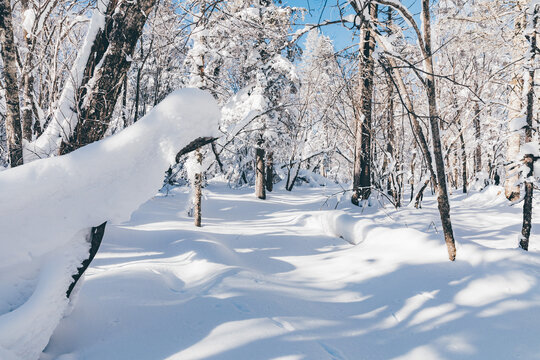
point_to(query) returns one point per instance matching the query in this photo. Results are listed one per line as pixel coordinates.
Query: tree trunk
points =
(477, 136)
(291, 180)
(260, 190)
(198, 189)
(442, 194)
(13, 111)
(511, 187)
(411, 181)
(420, 195)
(270, 171)
(390, 138)
(463, 158)
(27, 83)
(137, 94)
(454, 180)
(527, 206)
(362, 162)
(529, 158)
(97, 98)
(124, 101)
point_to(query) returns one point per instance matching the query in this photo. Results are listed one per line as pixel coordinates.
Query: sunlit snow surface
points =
(270, 280)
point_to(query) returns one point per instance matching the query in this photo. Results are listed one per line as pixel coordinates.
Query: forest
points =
(269, 179)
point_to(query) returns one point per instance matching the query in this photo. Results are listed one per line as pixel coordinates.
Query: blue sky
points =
(326, 10)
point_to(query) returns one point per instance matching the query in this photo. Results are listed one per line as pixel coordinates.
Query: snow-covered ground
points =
(271, 280)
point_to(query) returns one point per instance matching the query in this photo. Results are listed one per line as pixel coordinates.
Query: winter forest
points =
(269, 179)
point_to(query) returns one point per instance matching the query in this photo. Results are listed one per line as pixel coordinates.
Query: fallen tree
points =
(49, 205)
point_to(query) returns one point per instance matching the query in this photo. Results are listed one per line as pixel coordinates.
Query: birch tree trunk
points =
(198, 190)
(13, 111)
(529, 158)
(27, 82)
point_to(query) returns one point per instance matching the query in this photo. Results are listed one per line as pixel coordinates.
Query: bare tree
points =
(429, 84)
(362, 153)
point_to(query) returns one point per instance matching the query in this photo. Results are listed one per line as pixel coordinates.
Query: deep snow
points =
(49, 205)
(271, 280)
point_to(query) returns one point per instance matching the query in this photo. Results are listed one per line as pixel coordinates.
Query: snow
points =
(29, 18)
(273, 280)
(532, 148)
(47, 205)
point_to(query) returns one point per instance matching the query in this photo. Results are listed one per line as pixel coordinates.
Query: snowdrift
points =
(355, 231)
(47, 204)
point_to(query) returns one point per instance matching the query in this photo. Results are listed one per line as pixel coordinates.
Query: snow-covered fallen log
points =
(48, 202)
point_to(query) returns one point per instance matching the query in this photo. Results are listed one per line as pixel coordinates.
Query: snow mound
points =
(490, 196)
(48, 204)
(339, 224)
(378, 237)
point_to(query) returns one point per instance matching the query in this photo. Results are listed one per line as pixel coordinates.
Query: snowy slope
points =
(270, 280)
(48, 205)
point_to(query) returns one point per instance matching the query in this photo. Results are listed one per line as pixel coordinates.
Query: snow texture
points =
(265, 280)
(47, 205)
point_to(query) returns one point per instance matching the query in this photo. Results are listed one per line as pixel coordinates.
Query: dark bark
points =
(218, 160)
(9, 59)
(194, 145)
(291, 180)
(138, 88)
(412, 176)
(94, 237)
(420, 195)
(124, 101)
(362, 162)
(269, 171)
